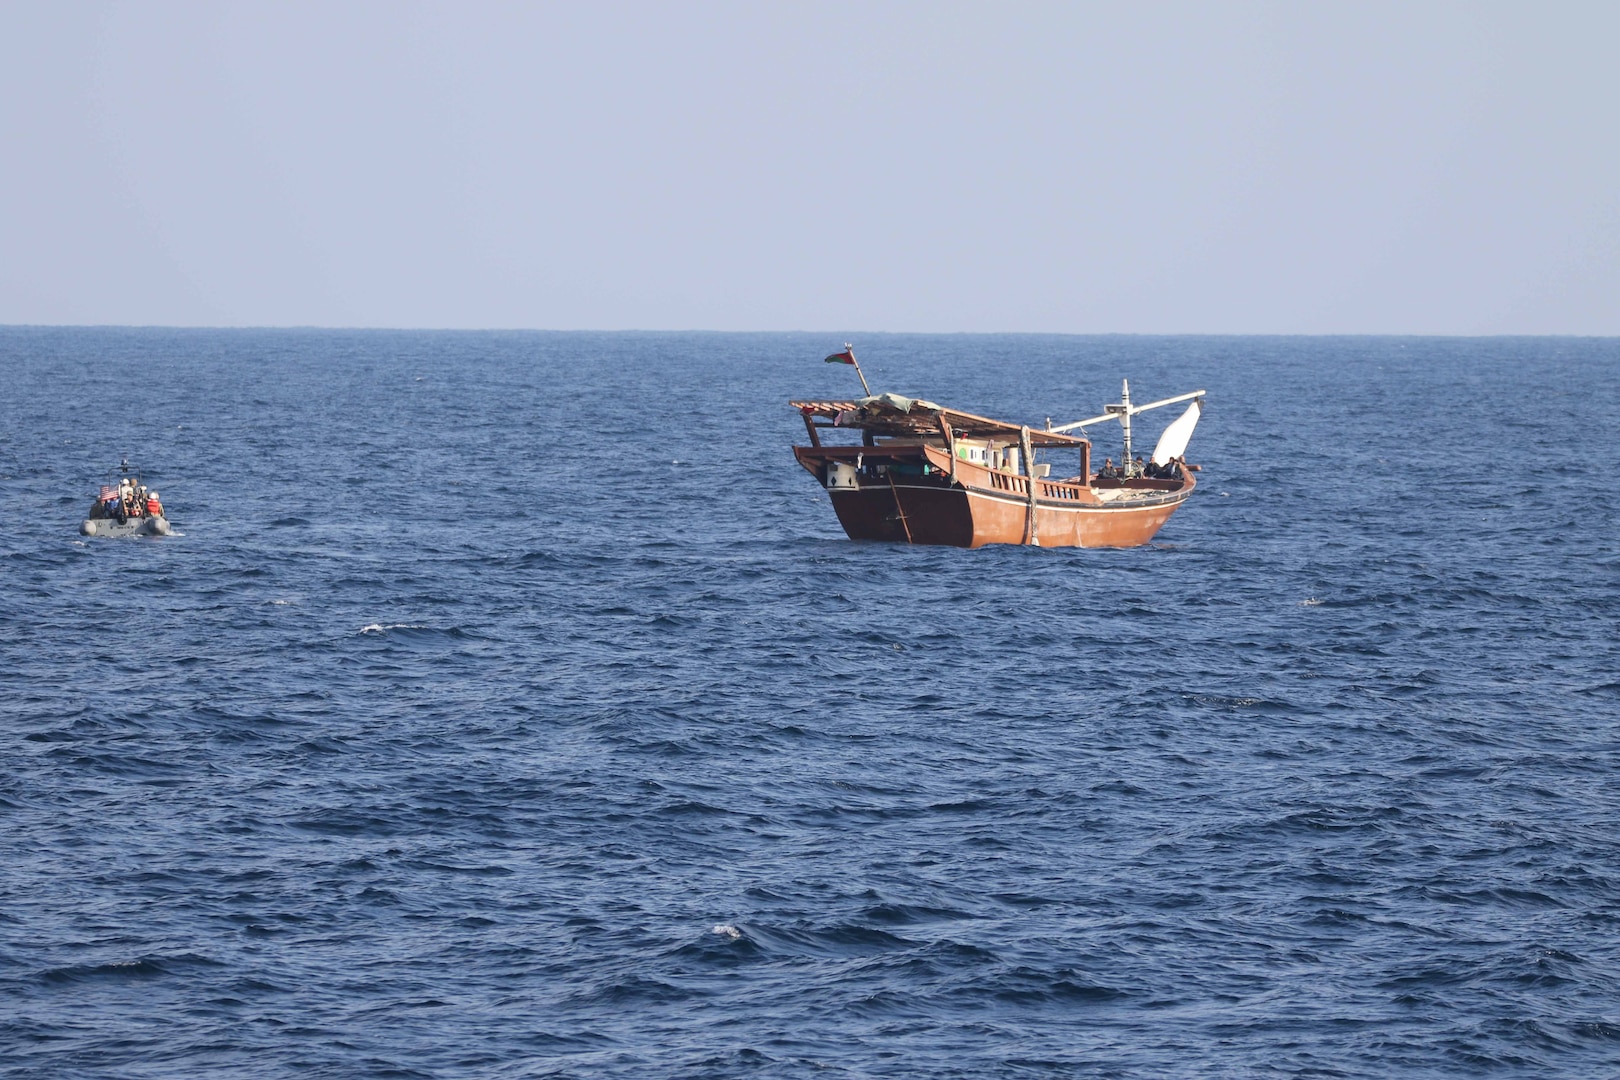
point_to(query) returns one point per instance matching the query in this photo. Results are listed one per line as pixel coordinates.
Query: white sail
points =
(1173, 443)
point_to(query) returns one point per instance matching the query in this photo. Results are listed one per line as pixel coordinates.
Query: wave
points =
(140, 968)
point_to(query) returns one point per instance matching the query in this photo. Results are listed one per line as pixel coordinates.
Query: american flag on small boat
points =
(108, 491)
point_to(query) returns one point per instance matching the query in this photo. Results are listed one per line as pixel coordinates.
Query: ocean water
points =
(511, 704)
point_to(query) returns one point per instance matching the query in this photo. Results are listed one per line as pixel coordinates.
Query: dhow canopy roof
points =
(894, 415)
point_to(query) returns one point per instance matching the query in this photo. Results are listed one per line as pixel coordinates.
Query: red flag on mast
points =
(848, 357)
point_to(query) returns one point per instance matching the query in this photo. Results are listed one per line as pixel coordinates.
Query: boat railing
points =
(1014, 484)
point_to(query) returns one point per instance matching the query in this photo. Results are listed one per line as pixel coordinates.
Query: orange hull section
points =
(985, 507)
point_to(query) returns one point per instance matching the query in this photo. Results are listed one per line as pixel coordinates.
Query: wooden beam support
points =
(898, 509)
(1030, 534)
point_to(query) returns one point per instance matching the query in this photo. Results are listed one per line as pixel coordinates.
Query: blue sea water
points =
(511, 704)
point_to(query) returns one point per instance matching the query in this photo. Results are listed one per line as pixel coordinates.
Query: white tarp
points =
(1173, 443)
(898, 402)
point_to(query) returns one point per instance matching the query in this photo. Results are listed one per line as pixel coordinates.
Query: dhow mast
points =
(1123, 411)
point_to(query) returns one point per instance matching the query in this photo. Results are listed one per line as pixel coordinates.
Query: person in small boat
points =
(154, 508)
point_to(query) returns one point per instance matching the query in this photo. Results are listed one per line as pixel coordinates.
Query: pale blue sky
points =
(1145, 168)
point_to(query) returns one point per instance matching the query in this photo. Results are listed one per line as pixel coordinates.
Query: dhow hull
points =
(960, 518)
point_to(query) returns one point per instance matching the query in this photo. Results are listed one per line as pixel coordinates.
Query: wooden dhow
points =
(922, 473)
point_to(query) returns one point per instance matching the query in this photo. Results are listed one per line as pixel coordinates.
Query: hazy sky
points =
(1132, 167)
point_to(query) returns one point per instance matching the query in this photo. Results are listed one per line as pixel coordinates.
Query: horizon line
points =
(316, 327)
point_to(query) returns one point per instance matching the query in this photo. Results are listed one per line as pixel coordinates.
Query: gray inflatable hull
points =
(141, 526)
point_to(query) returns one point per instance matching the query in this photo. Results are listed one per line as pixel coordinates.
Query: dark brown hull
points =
(917, 501)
